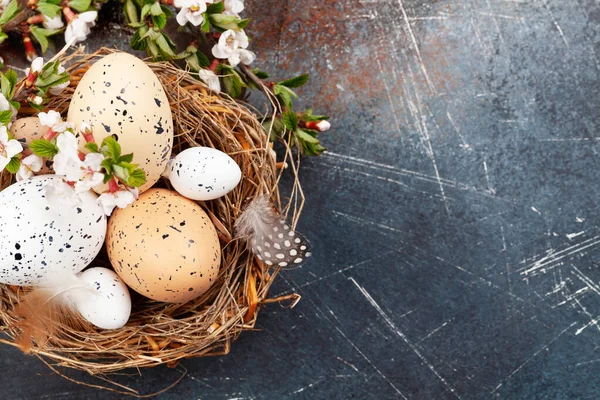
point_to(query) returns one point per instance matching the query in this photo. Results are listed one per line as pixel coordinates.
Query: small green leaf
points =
(127, 158)
(137, 178)
(164, 46)
(107, 165)
(167, 11)
(92, 147)
(260, 74)
(205, 27)
(13, 165)
(111, 148)
(5, 117)
(307, 116)
(146, 10)
(155, 9)
(43, 148)
(203, 60)
(307, 137)
(79, 5)
(243, 22)
(225, 21)
(121, 173)
(107, 178)
(9, 12)
(290, 120)
(159, 20)
(131, 12)
(284, 95)
(3, 37)
(48, 9)
(215, 8)
(295, 82)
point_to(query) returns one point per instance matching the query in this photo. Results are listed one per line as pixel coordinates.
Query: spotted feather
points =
(273, 241)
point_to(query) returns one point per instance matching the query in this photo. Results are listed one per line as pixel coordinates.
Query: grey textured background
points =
(454, 220)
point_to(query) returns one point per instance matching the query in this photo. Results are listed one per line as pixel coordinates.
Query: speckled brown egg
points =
(26, 130)
(164, 247)
(120, 95)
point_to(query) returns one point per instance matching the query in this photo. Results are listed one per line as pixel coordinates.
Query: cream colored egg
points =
(26, 130)
(120, 95)
(164, 247)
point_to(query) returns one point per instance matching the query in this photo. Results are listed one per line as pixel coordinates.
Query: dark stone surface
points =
(454, 221)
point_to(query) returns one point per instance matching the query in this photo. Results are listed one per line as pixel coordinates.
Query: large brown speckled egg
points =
(120, 95)
(164, 247)
(28, 129)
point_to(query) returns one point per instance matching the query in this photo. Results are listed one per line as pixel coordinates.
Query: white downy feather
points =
(272, 240)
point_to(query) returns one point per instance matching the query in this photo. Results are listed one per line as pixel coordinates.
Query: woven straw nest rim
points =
(161, 333)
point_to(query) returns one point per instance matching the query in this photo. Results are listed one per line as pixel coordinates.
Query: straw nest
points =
(161, 333)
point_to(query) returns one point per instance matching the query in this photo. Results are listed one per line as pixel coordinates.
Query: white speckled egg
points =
(203, 173)
(164, 247)
(120, 95)
(39, 238)
(28, 129)
(109, 306)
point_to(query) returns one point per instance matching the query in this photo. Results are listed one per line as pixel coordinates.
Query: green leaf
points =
(205, 27)
(164, 46)
(225, 21)
(121, 172)
(16, 105)
(13, 165)
(39, 37)
(307, 116)
(260, 74)
(79, 5)
(215, 8)
(127, 158)
(146, 10)
(92, 147)
(155, 9)
(232, 82)
(107, 177)
(307, 137)
(166, 10)
(136, 42)
(44, 148)
(9, 12)
(111, 148)
(5, 117)
(159, 20)
(295, 82)
(48, 9)
(131, 12)
(284, 95)
(290, 120)
(203, 61)
(107, 165)
(137, 178)
(243, 22)
(6, 86)
(3, 37)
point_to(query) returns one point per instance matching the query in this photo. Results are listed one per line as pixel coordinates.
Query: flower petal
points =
(12, 148)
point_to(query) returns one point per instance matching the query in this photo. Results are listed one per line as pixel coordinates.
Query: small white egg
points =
(108, 306)
(203, 173)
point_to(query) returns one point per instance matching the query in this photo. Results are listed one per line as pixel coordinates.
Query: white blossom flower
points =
(323, 126)
(36, 66)
(60, 194)
(210, 78)
(232, 46)
(53, 120)
(8, 148)
(29, 165)
(92, 176)
(121, 199)
(233, 7)
(58, 89)
(53, 23)
(80, 27)
(191, 11)
(67, 162)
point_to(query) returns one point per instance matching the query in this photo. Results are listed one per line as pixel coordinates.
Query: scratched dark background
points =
(454, 220)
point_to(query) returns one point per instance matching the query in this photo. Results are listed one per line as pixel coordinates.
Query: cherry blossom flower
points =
(121, 199)
(232, 46)
(80, 26)
(60, 194)
(29, 165)
(233, 7)
(36, 66)
(58, 89)
(53, 23)
(8, 148)
(53, 120)
(92, 177)
(5, 106)
(67, 162)
(210, 78)
(191, 11)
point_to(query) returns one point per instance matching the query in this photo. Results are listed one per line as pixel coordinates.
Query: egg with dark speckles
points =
(108, 304)
(164, 247)
(120, 95)
(39, 237)
(28, 129)
(203, 173)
